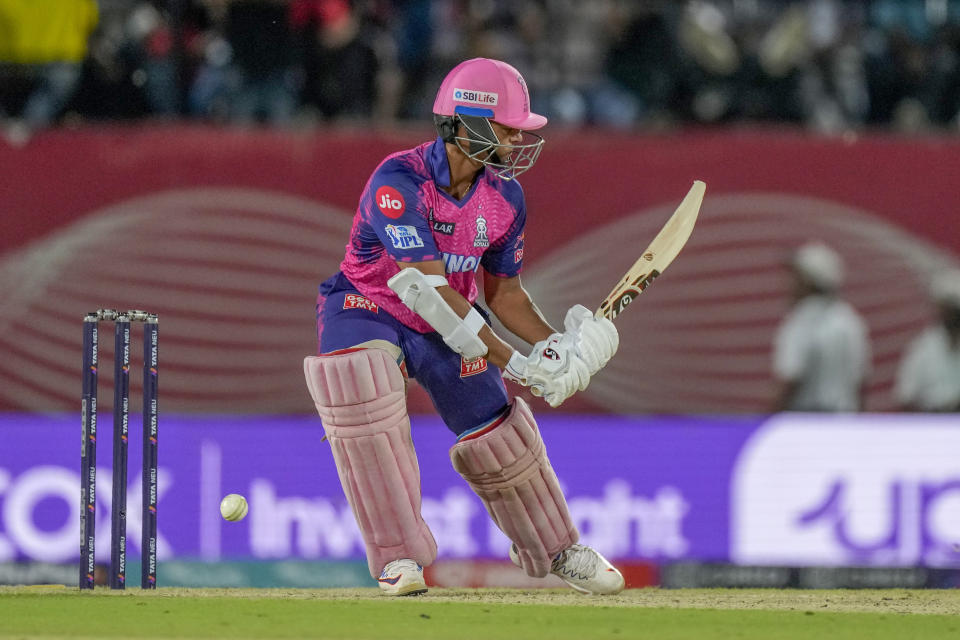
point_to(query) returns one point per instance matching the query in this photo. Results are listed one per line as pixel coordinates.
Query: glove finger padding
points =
(592, 350)
(576, 316)
(594, 339)
(597, 342)
(576, 378)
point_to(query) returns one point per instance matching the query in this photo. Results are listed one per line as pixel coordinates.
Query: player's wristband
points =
(516, 369)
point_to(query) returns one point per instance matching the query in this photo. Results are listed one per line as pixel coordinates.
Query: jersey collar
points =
(439, 163)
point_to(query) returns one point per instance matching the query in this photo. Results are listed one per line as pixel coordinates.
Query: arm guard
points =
(418, 292)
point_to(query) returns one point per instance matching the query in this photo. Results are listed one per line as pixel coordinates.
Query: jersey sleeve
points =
(504, 257)
(395, 210)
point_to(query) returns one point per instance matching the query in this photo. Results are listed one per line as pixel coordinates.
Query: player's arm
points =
(553, 369)
(462, 326)
(594, 339)
(511, 303)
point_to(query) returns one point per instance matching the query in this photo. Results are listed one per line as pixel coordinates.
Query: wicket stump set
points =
(88, 454)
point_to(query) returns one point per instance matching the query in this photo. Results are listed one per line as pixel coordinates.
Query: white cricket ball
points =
(233, 507)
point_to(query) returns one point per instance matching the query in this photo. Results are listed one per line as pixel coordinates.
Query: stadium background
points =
(153, 186)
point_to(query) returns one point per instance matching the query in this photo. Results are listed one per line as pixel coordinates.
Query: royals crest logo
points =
(481, 240)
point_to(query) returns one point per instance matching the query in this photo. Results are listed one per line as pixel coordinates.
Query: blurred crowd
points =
(822, 349)
(828, 65)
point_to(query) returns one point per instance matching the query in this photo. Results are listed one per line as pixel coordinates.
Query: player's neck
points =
(463, 172)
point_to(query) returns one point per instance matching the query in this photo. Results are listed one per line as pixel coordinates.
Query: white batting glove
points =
(596, 339)
(552, 370)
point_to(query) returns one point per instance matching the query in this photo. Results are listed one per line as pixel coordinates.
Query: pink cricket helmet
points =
(487, 88)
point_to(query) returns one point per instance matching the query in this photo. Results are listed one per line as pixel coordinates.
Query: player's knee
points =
(356, 387)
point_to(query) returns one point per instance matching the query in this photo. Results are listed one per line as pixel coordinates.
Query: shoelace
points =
(577, 562)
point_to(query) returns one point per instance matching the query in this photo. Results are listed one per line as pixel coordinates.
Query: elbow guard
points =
(418, 292)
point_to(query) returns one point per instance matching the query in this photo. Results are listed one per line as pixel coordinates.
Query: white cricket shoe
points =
(402, 578)
(584, 569)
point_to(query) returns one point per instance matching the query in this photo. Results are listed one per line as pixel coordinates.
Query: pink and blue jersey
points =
(405, 216)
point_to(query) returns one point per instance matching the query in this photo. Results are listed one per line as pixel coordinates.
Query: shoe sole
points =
(586, 592)
(411, 589)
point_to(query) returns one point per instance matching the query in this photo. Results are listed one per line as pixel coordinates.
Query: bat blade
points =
(657, 256)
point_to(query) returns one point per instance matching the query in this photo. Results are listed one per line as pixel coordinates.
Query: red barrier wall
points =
(62, 175)
(88, 214)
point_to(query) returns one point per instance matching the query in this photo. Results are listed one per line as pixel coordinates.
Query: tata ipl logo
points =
(403, 236)
(848, 490)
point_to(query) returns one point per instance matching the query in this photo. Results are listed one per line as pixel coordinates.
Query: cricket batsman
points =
(403, 305)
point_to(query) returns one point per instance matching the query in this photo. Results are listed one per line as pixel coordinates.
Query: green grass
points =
(467, 615)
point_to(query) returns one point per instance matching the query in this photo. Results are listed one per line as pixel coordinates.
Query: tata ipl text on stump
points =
(88, 456)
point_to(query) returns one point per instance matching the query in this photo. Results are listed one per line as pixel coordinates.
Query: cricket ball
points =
(233, 507)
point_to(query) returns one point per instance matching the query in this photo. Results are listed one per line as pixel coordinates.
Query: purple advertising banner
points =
(652, 488)
(790, 490)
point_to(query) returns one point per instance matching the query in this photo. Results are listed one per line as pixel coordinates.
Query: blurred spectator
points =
(643, 60)
(821, 353)
(150, 49)
(929, 375)
(414, 31)
(339, 63)
(45, 43)
(248, 74)
(260, 37)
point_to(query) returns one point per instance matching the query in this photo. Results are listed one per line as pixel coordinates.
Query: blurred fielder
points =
(821, 354)
(928, 378)
(402, 304)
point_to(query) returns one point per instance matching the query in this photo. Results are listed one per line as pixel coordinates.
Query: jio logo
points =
(390, 202)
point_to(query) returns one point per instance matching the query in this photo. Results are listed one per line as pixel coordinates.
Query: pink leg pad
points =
(361, 400)
(508, 468)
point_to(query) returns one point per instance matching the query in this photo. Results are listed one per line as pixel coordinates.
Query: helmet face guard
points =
(481, 144)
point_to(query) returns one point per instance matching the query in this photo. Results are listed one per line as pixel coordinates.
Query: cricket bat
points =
(658, 256)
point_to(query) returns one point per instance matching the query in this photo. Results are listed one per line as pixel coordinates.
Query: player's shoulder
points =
(847, 311)
(402, 169)
(396, 185)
